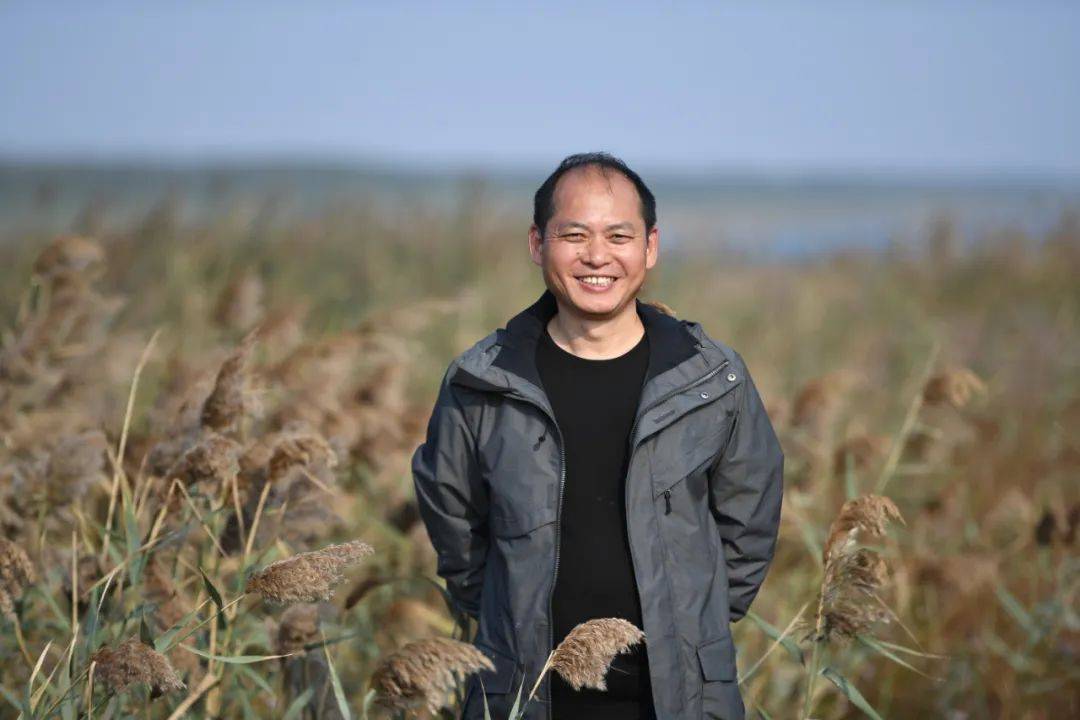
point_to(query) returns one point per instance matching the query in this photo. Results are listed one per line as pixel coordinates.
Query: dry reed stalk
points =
(133, 662)
(201, 689)
(309, 576)
(424, 672)
(198, 516)
(912, 414)
(118, 461)
(255, 522)
(65, 661)
(791, 627)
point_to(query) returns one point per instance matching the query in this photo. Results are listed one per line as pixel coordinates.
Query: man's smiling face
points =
(595, 250)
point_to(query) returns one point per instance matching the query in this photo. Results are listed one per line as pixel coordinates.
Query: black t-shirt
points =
(595, 402)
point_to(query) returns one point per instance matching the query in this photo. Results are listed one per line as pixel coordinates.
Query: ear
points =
(536, 245)
(652, 247)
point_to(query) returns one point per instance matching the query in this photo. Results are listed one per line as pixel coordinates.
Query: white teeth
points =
(597, 280)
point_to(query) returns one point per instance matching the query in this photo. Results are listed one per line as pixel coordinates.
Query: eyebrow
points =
(616, 226)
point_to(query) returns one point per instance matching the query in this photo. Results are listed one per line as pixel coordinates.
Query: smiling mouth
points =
(597, 281)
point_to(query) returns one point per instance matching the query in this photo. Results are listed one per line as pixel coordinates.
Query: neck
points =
(596, 339)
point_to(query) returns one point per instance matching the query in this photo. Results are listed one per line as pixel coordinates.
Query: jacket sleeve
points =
(745, 492)
(453, 500)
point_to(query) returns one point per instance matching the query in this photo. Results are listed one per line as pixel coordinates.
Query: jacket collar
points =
(675, 353)
(670, 343)
(680, 357)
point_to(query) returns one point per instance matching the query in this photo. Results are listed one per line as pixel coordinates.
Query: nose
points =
(596, 252)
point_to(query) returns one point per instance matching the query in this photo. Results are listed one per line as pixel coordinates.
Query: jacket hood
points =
(508, 355)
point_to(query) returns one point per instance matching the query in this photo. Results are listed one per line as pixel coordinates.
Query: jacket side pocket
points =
(498, 684)
(720, 697)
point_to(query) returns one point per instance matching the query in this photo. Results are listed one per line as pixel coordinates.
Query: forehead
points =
(588, 190)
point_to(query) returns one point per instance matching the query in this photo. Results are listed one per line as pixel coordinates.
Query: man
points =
(598, 457)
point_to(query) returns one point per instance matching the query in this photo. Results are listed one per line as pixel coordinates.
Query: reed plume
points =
(955, 387)
(307, 577)
(584, 655)
(299, 626)
(214, 458)
(865, 451)
(133, 662)
(69, 254)
(76, 463)
(230, 399)
(16, 572)
(847, 604)
(159, 588)
(299, 449)
(424, 672)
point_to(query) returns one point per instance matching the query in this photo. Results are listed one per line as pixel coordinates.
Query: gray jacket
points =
(703, 496)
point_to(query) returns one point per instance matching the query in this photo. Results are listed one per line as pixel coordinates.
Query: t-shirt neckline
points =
(594, 361)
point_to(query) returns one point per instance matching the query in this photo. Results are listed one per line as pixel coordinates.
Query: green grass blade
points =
(165, 640)
(909, 651)
(850, 692)
(483, 695)
(297, 706)
(233, 659)
(339, 692)
(885, 652)
(517, 700)
(1018, 612)
(369, 700)
(787, 642)
(256, 678)
(10, 697)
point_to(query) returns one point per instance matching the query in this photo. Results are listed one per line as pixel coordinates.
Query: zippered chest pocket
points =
(695, 430)
(520, 461)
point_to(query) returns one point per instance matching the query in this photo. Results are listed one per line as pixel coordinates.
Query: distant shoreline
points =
(785, 214)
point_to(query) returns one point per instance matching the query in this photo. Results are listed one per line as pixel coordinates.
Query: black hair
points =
(544, 200)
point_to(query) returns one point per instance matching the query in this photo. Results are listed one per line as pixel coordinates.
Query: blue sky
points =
(760, 86)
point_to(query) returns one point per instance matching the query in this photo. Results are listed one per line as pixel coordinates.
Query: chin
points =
(596, 305)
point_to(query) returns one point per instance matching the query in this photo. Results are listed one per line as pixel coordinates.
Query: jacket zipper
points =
(558, 527)
(630, 461)
(562, 483)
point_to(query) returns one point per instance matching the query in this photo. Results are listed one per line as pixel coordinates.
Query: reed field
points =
(206, 507)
